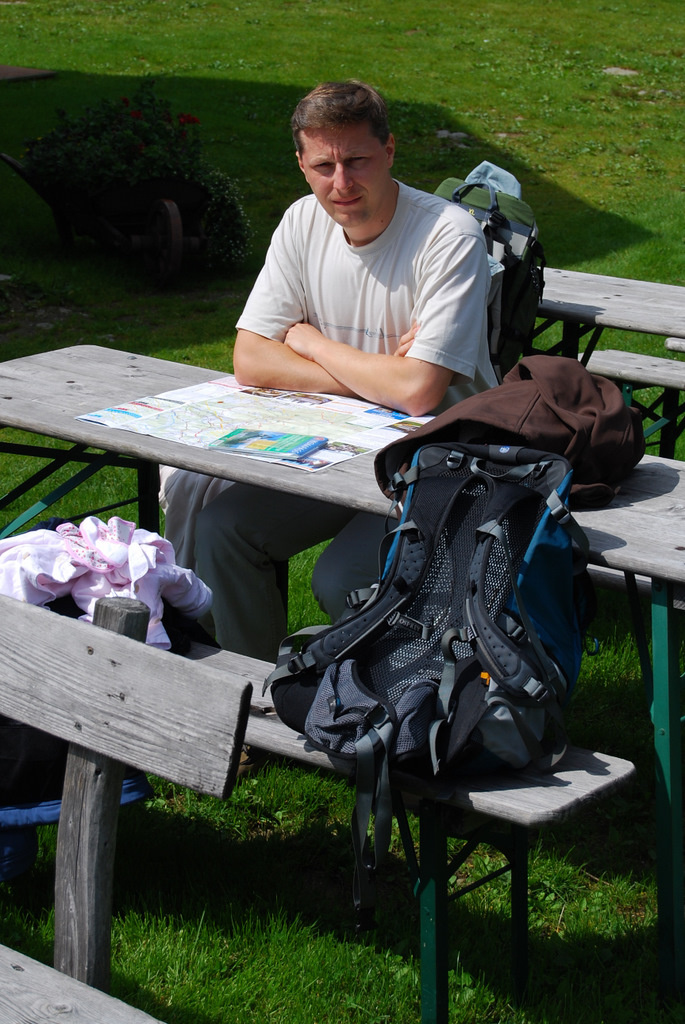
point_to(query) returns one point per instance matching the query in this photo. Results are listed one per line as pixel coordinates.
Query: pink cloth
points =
(97, 559)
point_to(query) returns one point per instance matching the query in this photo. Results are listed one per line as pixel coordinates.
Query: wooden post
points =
(87, 835)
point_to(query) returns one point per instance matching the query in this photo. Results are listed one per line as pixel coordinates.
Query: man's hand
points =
(412, 385)
(305, 340)
(407, 340)
(261, 362)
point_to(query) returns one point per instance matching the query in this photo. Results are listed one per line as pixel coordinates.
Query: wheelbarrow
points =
(160, 218)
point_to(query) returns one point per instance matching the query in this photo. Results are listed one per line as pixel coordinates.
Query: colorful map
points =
(202, 414)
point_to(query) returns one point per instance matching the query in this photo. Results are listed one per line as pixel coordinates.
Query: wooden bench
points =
(118, 702)
(635, 372)
(497, 809)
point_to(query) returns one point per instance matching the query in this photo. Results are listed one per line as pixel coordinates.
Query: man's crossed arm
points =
(308, 361)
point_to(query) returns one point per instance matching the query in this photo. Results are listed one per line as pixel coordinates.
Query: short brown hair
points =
(338, 104)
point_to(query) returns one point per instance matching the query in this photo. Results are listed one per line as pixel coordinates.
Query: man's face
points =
(348, 170)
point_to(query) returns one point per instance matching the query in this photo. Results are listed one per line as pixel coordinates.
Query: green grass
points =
(241, 912)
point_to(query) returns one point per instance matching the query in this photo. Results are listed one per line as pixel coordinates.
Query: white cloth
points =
(99, 559)
(429, 266)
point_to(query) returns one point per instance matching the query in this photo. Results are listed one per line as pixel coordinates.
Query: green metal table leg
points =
(669, 823)
(519, 909)
(590, 346)
(570, 338)
(40, 506)
(432, 893)
(147, 496)
(669, 429)
(640, 634)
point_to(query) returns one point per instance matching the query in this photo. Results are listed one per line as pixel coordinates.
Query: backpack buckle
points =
(535, 689)
(413, 625)
(377, 717)
(496, 219)
(297, 664)
(455, 459)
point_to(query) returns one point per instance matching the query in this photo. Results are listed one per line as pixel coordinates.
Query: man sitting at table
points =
(370, 288)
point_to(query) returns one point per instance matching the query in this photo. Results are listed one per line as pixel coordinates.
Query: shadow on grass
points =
(181, 867)
(307, 876)
(195, 871)
(245, 131)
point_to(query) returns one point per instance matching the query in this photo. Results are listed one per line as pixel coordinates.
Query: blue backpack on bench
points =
(463, 655)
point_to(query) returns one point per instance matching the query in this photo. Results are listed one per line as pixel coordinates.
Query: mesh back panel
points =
(518, 529)
(401, 657)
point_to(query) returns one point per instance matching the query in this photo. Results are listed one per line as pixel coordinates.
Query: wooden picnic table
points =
(641, 532)
(589, 303)
(44, 393)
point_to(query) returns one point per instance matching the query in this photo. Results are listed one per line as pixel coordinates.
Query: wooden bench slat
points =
(635, 372)
(657, 371)
(535, 799)
(122, 698)
(528, 797)
(31, 991)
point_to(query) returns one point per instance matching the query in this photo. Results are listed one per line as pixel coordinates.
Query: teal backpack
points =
(517, 259)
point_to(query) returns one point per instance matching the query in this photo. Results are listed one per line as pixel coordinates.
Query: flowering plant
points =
(132, 140)
(127, 140)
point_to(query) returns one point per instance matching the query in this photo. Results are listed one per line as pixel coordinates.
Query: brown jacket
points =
(549, 403)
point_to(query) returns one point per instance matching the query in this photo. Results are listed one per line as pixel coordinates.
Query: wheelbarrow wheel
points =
(165, 230)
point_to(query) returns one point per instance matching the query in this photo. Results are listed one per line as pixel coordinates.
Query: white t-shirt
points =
(429, 266)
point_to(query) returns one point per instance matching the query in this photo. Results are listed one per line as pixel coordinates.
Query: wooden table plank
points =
(45, 393)
(643, 306)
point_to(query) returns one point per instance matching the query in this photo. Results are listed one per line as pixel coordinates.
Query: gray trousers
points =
(242, 531)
